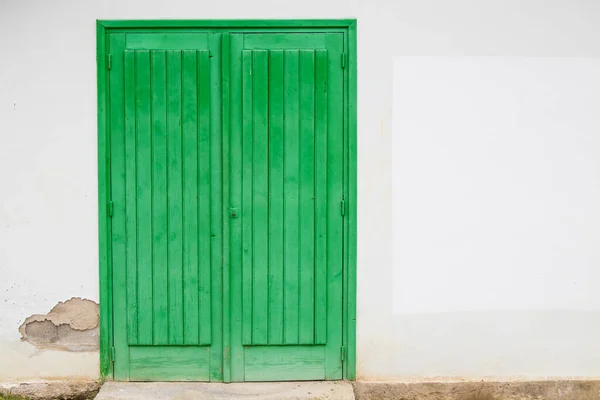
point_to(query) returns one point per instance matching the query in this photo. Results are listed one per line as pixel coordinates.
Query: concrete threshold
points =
(337, 390)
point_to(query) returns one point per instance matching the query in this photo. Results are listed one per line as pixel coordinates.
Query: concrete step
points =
(337, 390)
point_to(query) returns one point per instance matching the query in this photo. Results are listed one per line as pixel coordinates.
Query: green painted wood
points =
(351, 187)
(276, 219)
(143, 158)
(158, 87)
(284, 41)
(321, 101)
(288, 173)
(204, 193)
(163, 170)
(169, 363)
(335, 159)
(130, 197)
(217, 248)
(306, 244)
(191, 288)
(260, 193)
(247, 214)
(232, 187)
(117, 177)
(174, 198)
(284, 363)
(291, 210)
(307, 298)
(104, 235)
(302, 25)
(181, 281)
(167, 41)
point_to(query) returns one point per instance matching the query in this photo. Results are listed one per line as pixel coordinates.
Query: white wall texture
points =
(496, 197)
(48, 165)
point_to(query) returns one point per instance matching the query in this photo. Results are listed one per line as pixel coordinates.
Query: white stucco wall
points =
(48, 211)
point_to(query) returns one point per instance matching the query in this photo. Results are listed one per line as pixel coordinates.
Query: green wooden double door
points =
(226, 180)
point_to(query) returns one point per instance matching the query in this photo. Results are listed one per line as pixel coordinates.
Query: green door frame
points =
(345, 26)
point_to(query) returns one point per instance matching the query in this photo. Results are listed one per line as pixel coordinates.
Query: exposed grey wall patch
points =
(71, 325)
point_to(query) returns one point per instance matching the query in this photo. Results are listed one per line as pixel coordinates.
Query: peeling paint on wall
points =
(72, 325)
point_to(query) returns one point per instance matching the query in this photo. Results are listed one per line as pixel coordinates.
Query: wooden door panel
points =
(167, 41)
(286, 179)
(168, 171)
(283, 219)
(169, 363)
(284, 363)
(165, 158)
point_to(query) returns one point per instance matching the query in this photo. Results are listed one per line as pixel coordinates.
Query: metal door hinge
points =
(343, 353)
(109, 61)
(344, 61)
(112, 354)
(343, 207)
(110, 208)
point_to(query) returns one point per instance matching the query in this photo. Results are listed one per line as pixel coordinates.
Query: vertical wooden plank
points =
(247, 188)
(159, 197)
(260, 206)
(144, 196)
(118, 186)
(232, 194)
(350, 186)
(321, 197)
(130, 197)
(204, 193)
(190, 195)
(219, 260)
(175, 198)
(106, 300)
(307, 197)
(351, 182)
(291, 211)
(335, 145)
(276, 221)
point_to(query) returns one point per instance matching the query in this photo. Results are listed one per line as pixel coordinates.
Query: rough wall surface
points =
(70, 326)
(64, 390)
(48, 173)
